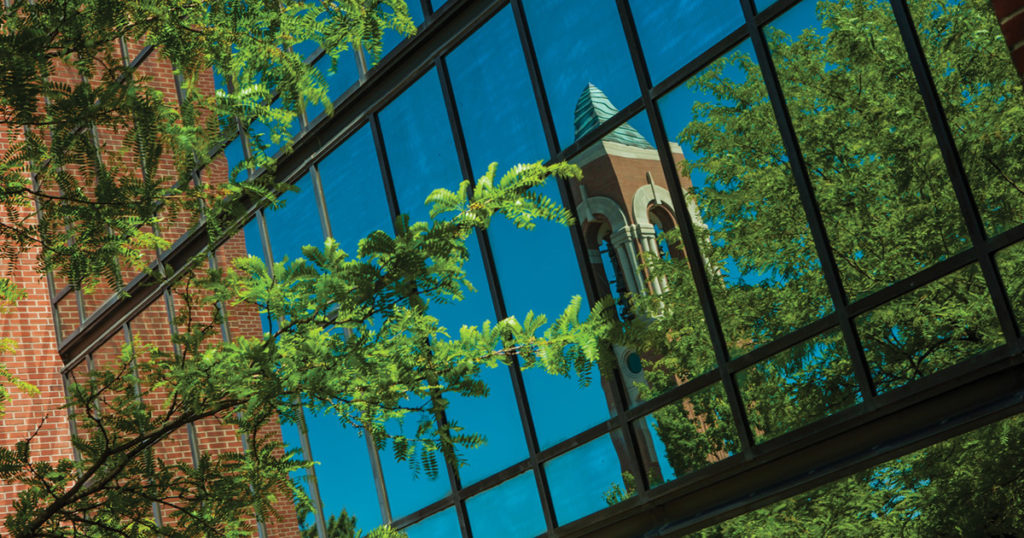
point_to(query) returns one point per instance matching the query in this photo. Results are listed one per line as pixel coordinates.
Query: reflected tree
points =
(889, 212)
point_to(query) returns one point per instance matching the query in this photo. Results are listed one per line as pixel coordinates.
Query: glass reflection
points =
(421, 155)
(490, 63)
(354, 191)
(579, 42)
(876, 167)
(674, 33)
(587, 479)
(983, 100)
(1011, 265)
(296, 223)
(343, 474)
(339, 76)
(409, 484)
(511, 509)
(764, 273)
(798, 386)
(687, 435)
(929, 329)
(444, 524)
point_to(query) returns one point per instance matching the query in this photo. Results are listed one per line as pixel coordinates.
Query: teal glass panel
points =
(343, 472)
(674, 33)
(444, 524)
(587, 479)
(510, 509)
(296, 223)
(354, 191)
(580, 42)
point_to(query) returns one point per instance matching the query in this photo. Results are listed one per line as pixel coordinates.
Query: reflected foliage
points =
(967, 486)
(889, 211)
(798, 386)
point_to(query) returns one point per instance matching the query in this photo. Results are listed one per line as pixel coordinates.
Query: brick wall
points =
(36, 358)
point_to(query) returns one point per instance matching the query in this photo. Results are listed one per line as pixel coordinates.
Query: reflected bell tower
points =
(624, 206)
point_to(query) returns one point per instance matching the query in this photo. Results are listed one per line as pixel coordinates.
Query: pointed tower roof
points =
(594, 108)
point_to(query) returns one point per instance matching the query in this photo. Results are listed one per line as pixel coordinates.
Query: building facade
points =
(813, 189)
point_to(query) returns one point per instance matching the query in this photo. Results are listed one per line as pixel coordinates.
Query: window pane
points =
(409, 486)
(587, 479)
(688, 435)
(343, 473)
(354, 191)
(580, 42)
(296, 224)
(441, 525)
(422, 157)
(666, 45)
(511, 509)
(794, 388)
(983, 100)
(752, 230)
(490, 63)
(393, 38)
(929, 329)
(871, 155)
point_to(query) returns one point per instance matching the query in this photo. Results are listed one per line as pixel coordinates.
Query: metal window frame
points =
(979, 390)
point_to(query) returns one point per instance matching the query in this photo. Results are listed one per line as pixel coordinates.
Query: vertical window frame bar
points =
(812, 211)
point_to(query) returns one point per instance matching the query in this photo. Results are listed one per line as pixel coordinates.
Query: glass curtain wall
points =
(816, 203)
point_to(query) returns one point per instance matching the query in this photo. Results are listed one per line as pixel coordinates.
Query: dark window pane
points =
(798, 386)
(422, 157)
(929, 329)
(688, 435)
(442, 524)
(764, 272)
(871, 155)
(587, 479)
(235, 155)
(354, 191)
(674, 33)
(419, 145)
(496, 417)
(511, 509)
(580, 42)
(292, 440)
(983, 100)
(1011, 265)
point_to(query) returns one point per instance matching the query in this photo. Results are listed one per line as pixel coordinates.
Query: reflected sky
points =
(580, 479)
(537, 269)
(440, 525)
(580, 42)
(354, 191)
(674, 33)
(343, 471)
(511, 509)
